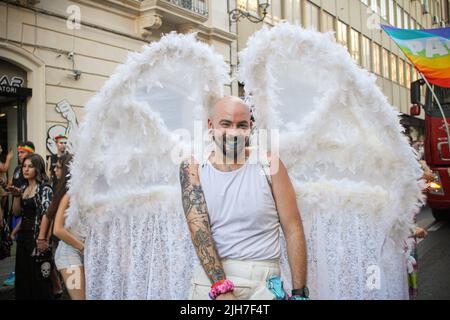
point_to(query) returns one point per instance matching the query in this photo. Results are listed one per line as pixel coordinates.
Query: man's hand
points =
(420, 233)
(226, 296)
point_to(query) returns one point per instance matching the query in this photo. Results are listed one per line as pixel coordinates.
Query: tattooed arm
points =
(196, 212)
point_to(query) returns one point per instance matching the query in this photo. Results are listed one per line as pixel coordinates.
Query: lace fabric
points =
(147, 255)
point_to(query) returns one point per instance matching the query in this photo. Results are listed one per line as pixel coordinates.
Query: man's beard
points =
(233, 147)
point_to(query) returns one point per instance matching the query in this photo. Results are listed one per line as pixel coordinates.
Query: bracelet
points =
(220, 287)
(297, 297)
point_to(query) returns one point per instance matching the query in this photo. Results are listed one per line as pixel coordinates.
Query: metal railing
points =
(197, 6)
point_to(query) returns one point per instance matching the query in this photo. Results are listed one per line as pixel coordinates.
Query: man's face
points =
(61, 145)
(231, 126)
(21, 154)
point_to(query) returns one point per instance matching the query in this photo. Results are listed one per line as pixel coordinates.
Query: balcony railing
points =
(197, 6)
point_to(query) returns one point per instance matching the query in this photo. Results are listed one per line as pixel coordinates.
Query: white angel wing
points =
(125, 193)
(355, 175)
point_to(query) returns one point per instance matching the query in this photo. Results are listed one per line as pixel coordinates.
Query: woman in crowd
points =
(69, 254)
(35, 198)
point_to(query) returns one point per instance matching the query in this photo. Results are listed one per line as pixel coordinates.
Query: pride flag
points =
(427, 49)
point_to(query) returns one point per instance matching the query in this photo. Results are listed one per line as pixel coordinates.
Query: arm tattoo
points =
(196, 213)
(192, 194)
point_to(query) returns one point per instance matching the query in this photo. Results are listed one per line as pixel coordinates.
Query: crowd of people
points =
(33, 205)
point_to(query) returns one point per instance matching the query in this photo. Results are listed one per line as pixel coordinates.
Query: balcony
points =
(185, 16)
(197, 6)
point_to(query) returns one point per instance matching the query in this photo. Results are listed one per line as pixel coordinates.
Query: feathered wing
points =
(355, 175)
(125, 193)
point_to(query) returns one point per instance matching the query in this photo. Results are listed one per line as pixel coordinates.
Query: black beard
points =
(236, 150)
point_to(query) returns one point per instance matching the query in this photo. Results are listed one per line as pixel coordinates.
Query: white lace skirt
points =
(142, 256)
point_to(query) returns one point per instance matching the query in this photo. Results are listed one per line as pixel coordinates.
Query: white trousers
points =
(249, 278)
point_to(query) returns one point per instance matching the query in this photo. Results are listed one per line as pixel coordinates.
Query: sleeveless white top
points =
(242, 213)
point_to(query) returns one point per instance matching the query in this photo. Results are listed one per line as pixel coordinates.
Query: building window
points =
(401, 72)
(376, 66)
(252, 6)
(296, 12)
(391, 13)
(248, 5)
(365, 53)
(406, 20)
(312, 16)
(386, 73)
(342, 33)
(200, 6)
(327, 22)
(399, 17)
(407, 75)
(438, 9)
(383, 9)
(242, 4)
(393, 59)
(354, 45)
(374, 5)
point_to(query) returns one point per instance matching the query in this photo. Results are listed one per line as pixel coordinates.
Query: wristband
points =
(221, 287)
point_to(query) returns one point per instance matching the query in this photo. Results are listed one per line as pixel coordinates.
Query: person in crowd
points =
(24, 148)
(69, 254)
(61, 145)
(31, 201)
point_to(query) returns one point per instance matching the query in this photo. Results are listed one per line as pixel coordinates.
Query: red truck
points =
(436, 145)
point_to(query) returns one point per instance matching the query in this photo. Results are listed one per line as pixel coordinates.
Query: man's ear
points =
(210, 123)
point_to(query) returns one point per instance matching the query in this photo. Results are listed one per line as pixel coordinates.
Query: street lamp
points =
(237, 14)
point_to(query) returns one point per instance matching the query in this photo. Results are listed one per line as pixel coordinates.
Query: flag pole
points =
(439, 106)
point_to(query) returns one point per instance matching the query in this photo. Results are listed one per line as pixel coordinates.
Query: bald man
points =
(234, 211)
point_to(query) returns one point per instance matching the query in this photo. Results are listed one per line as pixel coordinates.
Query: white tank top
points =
(242, 213)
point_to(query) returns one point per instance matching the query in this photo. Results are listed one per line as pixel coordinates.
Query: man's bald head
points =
(230, 105)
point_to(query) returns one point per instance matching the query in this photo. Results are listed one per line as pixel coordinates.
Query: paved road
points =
(6, 267)
(434, 258)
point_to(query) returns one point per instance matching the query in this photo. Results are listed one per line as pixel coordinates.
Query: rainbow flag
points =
(427, 49)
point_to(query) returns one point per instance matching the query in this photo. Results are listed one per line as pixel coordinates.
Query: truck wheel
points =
(441, 214)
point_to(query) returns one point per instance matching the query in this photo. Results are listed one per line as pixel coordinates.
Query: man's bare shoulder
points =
(275, 162)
